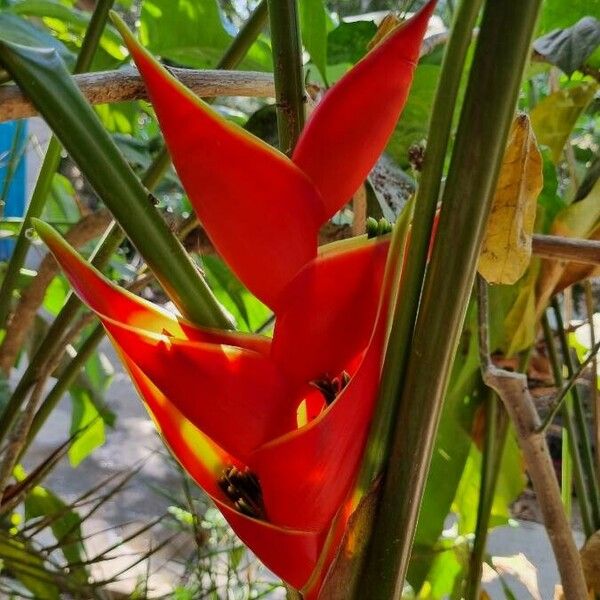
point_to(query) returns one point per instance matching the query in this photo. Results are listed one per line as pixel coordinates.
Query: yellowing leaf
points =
(554, 117)
(506, 246)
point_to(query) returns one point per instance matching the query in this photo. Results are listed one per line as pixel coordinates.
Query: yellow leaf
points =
(506, 249)
(554, 117)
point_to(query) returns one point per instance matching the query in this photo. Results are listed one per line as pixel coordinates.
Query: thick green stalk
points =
(49, 166)
(581, 489)
(502, 50)
(246, 36)
(405, 311)
(580, 418)
(496, 431)
(287, 61)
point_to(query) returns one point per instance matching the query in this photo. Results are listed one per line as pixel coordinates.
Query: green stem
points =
(487, 114)
(583, 497)
(246, 36)
(405, 311)
(558, 402)
(49, 166)
(583, 432)
(496, 432)
(287, 61)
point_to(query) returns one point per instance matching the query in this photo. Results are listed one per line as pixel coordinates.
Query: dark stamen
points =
(331, 388)
(243, 489)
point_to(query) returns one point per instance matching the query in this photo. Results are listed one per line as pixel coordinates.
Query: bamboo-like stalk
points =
(580, 418)
(581, 489)
(287, 61)
(594, 396)
(405, 312)
(49, 166)
(498, 64)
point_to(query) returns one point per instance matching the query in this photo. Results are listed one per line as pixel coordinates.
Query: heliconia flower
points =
(272, 429)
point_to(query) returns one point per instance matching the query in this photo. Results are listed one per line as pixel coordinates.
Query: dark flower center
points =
(331, 387)
(243, 489)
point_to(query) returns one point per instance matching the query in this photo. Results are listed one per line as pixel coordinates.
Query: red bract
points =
(273, 430)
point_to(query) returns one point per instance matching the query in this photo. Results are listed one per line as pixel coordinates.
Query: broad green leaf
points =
(521, 321)
(44, 78)
(579, 219)
(61, 205)
(110, 41)
(21, 31)
(451, 450)
(414, 122)
(450, 562)
(87, 420)
(193, 33)
(248, 312)
(56, 294)
(554, 117)
(506, 248)
(511, 482)
(569, 48)
(314, 21)
(347, 43)
(550, 203)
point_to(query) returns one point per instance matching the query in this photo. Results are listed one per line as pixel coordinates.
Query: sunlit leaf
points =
(554, 117)
(314, 22)
(20, 31)
(86, 419)
(506, 248)
(193, 34)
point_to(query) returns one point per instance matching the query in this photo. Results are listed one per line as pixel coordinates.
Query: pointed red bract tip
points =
(261, 211)
(350, 127)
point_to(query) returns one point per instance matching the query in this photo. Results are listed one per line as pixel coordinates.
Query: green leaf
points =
(511, 482)
(56, 294)
(21, 31)
(86, 419)
(347, 43)
(193, 33)
(579, 219)
(61, 205)
(450, 560)
(413, 124)
(79, 20)
(314, 21)
(248, 312)
(554, 117)
(569, 48)
(44, 78)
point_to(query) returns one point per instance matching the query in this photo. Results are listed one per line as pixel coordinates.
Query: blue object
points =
(13, 136)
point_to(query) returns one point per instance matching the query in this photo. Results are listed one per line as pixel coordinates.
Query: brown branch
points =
(513, 391)
(568, 249)
(126, 84)
(88, 228)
